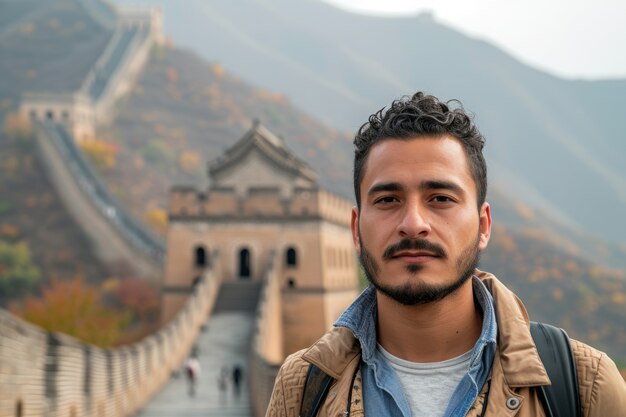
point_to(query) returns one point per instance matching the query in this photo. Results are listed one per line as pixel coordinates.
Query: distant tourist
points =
(432, 335)
(192, 372)
(222, 382)
(237, 377)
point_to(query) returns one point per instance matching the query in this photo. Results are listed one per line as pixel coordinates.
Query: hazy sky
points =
(569, 38)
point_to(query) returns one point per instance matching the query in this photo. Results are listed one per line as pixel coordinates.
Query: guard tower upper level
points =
(259, 178)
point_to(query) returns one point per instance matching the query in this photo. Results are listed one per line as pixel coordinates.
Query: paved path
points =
(224, 342)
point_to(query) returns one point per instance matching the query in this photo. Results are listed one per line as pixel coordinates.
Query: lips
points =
(413, 254)
(413, 257)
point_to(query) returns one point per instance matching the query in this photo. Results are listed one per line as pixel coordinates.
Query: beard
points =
(419, 292)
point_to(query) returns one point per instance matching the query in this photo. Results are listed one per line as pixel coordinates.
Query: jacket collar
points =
(518, 355)
(334, 351)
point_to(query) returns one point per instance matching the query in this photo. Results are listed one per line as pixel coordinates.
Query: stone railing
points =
(50, 374)
(267, 345)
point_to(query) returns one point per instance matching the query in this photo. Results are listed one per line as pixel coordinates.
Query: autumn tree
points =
(74, 308)
(18, 127)
(189, 162)
(157, 219)
(139, 297)
(18, 275)
(102, 154)
(142, 303)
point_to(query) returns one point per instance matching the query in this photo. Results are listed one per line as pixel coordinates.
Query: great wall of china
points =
(50, 374)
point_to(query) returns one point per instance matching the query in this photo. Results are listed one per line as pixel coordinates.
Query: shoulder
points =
(602, 387)
(294, 369)
(336, 353)
(288, 387)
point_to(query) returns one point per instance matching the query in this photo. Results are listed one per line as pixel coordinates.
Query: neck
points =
(430, 332)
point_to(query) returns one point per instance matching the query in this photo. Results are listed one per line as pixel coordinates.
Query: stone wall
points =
(267, 345)
(109, 243)
(54, 375)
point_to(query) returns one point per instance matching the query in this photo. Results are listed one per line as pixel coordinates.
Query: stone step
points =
(238, 296)
(224, 342)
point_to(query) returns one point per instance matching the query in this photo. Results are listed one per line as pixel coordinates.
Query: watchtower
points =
(263, 201)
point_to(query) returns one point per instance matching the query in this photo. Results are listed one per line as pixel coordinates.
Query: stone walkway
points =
(224, 342)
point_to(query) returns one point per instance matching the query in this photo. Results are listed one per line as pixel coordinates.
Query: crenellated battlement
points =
(258, 203)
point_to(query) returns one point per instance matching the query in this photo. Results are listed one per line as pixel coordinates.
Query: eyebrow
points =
(441, 185)
(385, 186)
(424, 185)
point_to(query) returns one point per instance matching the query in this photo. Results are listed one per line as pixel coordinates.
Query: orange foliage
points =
(618, 298)
(189, 161)
(270, 96)
(172, 75)
(139, 297)
(9, 231)
(157, 219)
(74, 308)
(103, 154)
(218, 70)
(503, 239)
(18, 126)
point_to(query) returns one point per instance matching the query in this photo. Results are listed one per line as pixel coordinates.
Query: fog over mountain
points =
(557, 144)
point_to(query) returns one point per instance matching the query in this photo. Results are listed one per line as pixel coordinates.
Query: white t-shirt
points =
(429, 386)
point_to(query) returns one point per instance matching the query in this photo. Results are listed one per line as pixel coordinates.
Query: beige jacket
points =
(516, 370)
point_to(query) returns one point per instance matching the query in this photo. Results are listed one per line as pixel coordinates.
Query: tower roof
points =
(272, 147)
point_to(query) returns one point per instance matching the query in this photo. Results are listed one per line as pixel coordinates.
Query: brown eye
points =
(386, 200)
(442, 199)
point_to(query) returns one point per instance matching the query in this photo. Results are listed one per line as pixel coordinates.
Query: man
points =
(431, 335)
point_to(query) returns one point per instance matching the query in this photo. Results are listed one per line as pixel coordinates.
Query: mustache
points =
(414, 244)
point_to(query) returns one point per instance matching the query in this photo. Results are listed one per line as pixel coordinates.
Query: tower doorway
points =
(244, 264)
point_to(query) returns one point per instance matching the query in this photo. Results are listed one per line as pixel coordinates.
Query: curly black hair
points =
(419, 116)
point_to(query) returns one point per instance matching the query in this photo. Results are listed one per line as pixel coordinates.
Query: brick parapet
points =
(257, 204)
(267, 345)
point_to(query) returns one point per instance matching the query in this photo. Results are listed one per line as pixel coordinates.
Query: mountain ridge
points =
(560, 139)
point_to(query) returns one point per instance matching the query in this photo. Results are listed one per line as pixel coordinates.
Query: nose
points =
(414, 222)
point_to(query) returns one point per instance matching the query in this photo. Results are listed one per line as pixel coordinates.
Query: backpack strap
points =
(316, 387)
(561, 399)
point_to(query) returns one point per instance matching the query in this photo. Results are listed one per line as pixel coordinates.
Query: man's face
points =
(418, 231)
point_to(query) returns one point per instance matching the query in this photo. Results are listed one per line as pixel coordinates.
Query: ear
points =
(484, 226)
(354, 225)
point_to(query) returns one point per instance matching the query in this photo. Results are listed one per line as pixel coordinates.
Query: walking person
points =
(237, 377)
(222, 383)
(192, 372)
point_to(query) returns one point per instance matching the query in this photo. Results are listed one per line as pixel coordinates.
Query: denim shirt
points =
(383, 394)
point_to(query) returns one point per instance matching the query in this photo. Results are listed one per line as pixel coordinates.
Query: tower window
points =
(291, 257)
(200, 258)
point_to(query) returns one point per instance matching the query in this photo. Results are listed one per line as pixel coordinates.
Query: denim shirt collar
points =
(382, 386)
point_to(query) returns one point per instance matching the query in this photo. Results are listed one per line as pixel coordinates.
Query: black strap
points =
(316, 387)
(561, 399)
